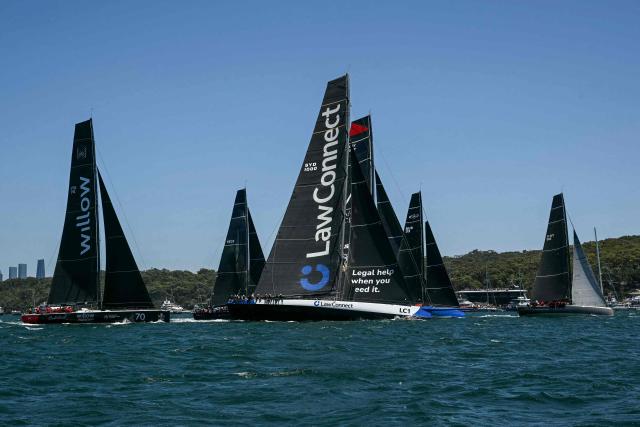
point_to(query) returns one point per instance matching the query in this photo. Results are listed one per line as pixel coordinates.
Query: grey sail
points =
(585, 289)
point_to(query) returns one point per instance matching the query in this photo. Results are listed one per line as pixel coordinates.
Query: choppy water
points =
(491, 370)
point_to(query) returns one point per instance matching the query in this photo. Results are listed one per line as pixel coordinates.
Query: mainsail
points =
(552, 280)
(232, 276)
(413, 230)
(306, 256)
(361, 139)
(373, 273)
(438, 284)
(585, 289)
(123, 285)
(75, 279)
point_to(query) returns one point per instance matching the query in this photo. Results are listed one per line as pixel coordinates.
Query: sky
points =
(489, 107)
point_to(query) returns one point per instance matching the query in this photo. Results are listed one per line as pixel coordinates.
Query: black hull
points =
(567, 310)
(287, 313)
(98, 316)
(219, 312)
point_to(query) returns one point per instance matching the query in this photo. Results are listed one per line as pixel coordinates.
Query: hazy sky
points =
(491, 107)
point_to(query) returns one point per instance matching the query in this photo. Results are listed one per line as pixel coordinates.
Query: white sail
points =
(585, 289)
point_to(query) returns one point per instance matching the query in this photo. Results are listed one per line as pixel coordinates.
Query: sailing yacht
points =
(439, 297)
(429, 284)
(331, 259)
(75, 295)
(556, 290)
(240, 265)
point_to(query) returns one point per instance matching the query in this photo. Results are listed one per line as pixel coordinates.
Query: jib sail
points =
(585, 289)
(373, 273)
(123, 285)
(438, 284)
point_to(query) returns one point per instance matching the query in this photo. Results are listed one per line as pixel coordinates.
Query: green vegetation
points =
(620, 262)
(184, 287)
(620, 258)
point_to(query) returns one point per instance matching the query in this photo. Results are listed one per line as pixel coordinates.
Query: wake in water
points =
(192, 320)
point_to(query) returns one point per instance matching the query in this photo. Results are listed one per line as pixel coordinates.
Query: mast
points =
(595, 233)
(97, 216)
(247, 276)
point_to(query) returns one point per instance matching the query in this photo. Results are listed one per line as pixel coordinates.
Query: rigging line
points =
(393, 177)
(50, 264)
(126, 220)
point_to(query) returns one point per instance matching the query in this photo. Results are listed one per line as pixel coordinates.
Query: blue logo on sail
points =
(320, 268)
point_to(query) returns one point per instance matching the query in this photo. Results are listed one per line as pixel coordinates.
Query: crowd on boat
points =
(551, 304)
(47, 309)
(254, 298)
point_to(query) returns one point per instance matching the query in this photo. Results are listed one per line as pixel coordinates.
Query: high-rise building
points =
(22, 271)
(40, 269)
(1, 276)
(13, 272)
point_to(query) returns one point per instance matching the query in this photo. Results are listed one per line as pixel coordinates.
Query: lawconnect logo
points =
(324, 279)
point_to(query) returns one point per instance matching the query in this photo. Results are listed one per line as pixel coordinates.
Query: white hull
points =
(318, 309)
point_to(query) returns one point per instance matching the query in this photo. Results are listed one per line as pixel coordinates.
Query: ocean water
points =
(480, 370)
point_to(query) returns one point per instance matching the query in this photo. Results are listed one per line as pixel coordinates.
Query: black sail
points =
(306, 255)
(256, 256)
(75, 279)
(123, 285)
(388, 215)
(373, 273)
(233, 276)
(553, 281)
(399, 244)
(438, 284)
(361, 139)
(413, 230)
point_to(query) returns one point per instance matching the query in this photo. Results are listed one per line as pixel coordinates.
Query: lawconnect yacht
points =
(557, 291)
(75, 296)
(332, 258)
